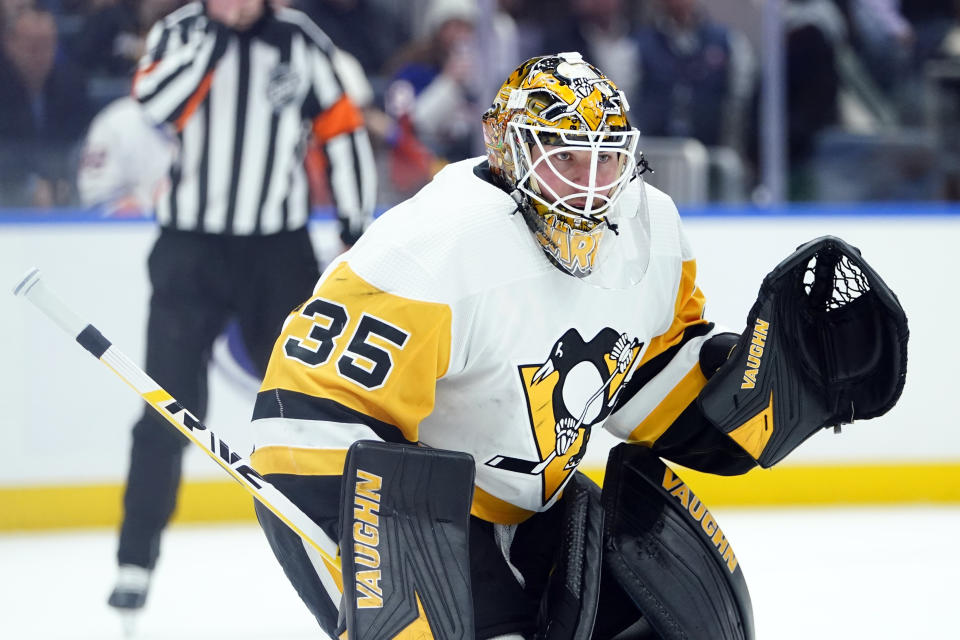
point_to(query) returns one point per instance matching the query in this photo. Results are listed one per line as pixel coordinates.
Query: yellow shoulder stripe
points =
(687, 311)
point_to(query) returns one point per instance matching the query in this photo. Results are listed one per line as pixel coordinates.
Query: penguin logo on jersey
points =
(575, 388)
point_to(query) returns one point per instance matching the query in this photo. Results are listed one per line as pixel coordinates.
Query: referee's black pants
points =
(200, 282)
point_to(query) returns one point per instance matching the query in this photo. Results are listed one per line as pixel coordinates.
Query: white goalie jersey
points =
(447, 326)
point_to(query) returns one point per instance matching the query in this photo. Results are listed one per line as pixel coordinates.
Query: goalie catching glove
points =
(825, 343)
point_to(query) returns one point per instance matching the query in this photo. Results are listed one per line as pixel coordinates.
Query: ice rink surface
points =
(837, 573)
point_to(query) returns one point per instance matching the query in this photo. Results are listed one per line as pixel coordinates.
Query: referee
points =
(243, 86)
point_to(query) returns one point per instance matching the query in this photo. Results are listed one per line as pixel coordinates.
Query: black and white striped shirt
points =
(243, 105)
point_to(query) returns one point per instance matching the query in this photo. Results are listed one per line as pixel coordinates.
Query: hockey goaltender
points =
(429, 405)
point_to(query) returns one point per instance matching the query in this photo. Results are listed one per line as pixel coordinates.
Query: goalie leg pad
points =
(568, 607)
(668, 554)
(825, 343)
(404, 542)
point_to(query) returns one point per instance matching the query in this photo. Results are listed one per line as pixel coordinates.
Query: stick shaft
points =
(33, 288)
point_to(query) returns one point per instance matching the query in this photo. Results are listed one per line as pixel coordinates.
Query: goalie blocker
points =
(825, 344)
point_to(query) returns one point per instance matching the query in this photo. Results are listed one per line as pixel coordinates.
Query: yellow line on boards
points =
(824, 485)
(60, 507)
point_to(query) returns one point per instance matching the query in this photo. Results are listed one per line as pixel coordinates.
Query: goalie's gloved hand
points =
(825, 343)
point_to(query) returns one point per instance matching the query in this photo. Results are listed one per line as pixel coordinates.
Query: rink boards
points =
(65, 419)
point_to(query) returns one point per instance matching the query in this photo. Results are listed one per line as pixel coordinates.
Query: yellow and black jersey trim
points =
(284, 403)
(688, 324)
(670, 408)
(489, 507)
(655, 365)
(327, 450)
(298, 461)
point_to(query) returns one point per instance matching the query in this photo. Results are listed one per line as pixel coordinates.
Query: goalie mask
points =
(559, 141)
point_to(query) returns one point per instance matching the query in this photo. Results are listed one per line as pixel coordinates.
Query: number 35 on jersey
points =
(366, 360)
(370, 352)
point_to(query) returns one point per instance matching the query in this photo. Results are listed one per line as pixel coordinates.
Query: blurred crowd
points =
(872, 90)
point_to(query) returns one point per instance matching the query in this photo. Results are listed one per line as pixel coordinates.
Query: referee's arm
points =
(174, 76)
(339, 130)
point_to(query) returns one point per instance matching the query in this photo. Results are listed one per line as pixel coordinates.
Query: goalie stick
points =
(33, 288)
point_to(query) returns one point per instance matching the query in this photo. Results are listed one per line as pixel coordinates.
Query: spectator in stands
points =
(43, 114)
(883, 38)
(440, 70)
(931, 21)
(10, 9)
(112, 38)
(815, 31)
(370, 30)
(895, 39)
(600, 30)
(431, 98)
(534, 21)
(696, 76)
(435, 81)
